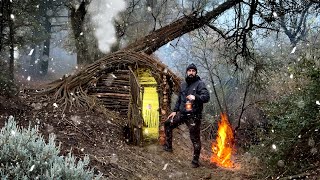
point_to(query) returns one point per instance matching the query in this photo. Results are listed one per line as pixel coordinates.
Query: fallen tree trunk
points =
(162, 36)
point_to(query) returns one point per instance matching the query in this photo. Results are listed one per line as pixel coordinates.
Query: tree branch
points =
(217, 30)
(162, 36)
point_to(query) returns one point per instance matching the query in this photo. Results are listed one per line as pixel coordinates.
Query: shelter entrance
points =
(150, 104)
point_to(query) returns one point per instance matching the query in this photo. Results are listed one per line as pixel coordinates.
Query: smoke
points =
(102, 13)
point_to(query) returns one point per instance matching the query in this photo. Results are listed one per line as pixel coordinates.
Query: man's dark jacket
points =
(196, 88)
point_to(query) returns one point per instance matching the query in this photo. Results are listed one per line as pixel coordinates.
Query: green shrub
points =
(295, 122)
(24, 154)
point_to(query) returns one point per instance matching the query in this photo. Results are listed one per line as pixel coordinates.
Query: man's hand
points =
(191, 97)
(172, 115)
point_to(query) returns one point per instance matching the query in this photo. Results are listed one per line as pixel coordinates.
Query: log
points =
(110, 81)
(117, 77)
(115, 83)
(111, 99)
(95, 90)
(111, 86)
(123, 103)
(117, 106)
(112, 94)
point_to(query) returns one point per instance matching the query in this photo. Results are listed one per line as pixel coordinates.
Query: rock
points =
(280, 163)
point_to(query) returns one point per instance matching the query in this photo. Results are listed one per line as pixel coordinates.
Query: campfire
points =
(222, 148)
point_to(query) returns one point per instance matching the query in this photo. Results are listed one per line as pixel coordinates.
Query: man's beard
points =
(191, 78)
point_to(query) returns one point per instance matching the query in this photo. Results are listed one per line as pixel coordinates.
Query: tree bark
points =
(11, 42)
(44, 63)
(46, 53)
(77, 23)
(162, 36)
(2, 23)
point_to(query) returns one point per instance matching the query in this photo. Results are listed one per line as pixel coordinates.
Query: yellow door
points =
(150, 113)
(150, 104)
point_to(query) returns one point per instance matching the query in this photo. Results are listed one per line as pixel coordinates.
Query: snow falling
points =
(293, 50)
(32, 167)
(273, 98)
(275, 14)
(31, 52)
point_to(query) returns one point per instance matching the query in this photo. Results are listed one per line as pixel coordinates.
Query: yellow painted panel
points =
(145, 77)
(150, 105)
(150, 133)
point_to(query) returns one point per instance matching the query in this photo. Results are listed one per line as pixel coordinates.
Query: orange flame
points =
(222, 149)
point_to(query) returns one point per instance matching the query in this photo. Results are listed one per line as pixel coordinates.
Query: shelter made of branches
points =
(115, 83)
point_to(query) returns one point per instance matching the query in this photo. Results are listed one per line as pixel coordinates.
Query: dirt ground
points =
(84, 132)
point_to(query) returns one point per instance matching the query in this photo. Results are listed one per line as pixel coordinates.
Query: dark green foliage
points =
(25, 155)
(292, 145)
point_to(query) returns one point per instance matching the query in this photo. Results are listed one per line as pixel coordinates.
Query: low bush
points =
(292, 144)
(24, 154)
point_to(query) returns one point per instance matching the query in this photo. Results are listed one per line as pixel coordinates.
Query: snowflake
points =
(13, 133)
(32, 167)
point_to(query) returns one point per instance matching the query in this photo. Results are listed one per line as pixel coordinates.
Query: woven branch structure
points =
(77, 89)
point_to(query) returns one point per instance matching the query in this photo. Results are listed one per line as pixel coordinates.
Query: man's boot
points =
(168, 132)
(167, 148)
(195, 163)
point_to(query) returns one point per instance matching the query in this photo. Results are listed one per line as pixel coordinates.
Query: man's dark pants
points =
(193, 122)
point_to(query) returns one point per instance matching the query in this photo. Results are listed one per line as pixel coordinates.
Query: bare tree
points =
(44, 62)
(2, 23)
(11, 40)
(77, 17)
(290, 16)
(293, 18)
